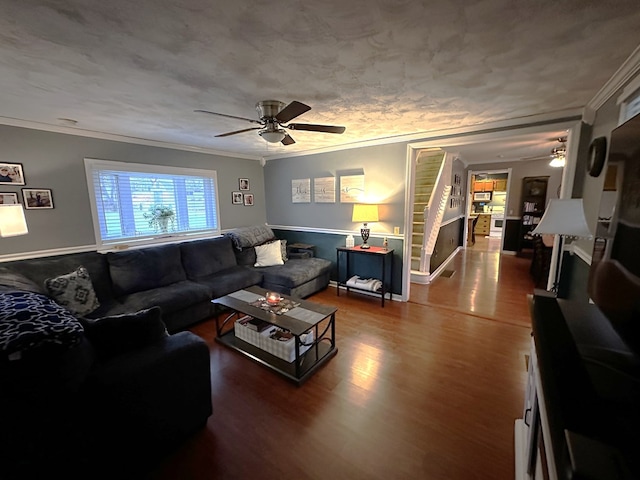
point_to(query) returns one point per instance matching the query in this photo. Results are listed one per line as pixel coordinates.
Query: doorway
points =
(486, 208)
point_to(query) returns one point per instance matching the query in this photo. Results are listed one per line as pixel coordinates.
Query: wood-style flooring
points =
(427, 389)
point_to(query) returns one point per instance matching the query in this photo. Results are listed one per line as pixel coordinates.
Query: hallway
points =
(484, 283)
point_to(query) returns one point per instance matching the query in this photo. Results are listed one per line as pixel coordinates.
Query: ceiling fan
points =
(273, 114)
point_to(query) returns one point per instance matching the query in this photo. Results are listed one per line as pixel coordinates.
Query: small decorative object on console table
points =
(364, 213)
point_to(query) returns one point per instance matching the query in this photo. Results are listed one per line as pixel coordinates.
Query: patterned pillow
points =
(30, 320)
(74, 291)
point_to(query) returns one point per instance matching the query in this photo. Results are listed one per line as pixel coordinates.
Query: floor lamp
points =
(563, 217)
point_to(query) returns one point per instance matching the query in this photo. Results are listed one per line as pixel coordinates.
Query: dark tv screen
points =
(614, 277)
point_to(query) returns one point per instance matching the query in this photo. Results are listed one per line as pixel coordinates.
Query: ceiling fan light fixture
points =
(559, 154)
(272, 136)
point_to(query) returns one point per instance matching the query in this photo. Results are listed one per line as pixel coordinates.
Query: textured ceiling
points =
(382, 68)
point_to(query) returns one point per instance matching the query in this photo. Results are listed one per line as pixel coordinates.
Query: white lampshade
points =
(564, 217)
(365, 213)
(274, 136)
(12, 221)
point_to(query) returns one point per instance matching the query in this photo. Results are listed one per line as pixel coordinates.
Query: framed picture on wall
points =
(36, 198)
(324, 190)
(301, 190)
(8, 198)
(351, 188)
(248, 199)
(244, 183)
(11, 173)
(237, 198)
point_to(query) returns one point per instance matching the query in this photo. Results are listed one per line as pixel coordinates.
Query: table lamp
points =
(364, 213)
(564, 217)
(12, 221)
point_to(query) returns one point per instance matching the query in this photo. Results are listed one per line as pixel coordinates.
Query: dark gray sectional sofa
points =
(181, 278)
(95, 370)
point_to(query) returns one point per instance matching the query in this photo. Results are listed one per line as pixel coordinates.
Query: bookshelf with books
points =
(534, 198)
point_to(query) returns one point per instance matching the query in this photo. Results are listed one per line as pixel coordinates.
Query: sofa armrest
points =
(154, 396)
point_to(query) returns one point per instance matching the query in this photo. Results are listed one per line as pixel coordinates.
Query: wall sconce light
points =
(12, 221)
(364, 213)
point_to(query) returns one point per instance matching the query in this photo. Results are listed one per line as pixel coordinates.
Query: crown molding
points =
(566, 115)
(16, 122)
(627, 70)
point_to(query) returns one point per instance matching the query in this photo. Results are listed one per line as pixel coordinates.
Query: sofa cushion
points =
(268, 254)
(202, 258)
(74, 291)
(119, 334)
(231, 280)
(145, 269)
(17, 281)
(246, 256)
(171, 298)
(31, 321)
(295, 272)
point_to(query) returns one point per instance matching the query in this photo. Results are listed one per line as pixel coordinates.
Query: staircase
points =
(431, 193)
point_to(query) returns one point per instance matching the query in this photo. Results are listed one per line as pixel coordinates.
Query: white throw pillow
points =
(268, 254)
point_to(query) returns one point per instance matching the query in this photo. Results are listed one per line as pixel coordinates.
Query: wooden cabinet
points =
(483, 225)
(483, 186)
(534, 198)
(500, 185)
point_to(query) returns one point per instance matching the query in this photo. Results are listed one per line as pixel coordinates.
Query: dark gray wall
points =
(384, 169)
(575, 277)
(56, 161)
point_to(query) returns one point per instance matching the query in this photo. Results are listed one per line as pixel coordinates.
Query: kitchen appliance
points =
(482, 196)
(497, 221)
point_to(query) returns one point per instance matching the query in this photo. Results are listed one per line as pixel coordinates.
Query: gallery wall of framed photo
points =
(243, 197)
(12, 175)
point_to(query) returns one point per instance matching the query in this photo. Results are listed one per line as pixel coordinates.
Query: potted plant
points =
(160, 216)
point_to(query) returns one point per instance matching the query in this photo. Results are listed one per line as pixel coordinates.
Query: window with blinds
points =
(149, 203)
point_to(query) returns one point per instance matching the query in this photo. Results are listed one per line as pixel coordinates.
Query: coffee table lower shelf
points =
(310, 361)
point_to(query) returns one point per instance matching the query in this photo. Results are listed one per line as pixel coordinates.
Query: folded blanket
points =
(371, 284)
(250, 236)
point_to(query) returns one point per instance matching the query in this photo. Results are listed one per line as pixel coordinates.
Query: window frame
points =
(93, 164)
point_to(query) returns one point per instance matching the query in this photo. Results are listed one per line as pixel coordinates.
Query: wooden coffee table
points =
(303, 318)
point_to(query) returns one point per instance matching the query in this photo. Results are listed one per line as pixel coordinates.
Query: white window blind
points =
(145, 203)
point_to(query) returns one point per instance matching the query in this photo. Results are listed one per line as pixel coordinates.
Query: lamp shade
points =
(564, 217)
(12, 221)
(365, 213)
(272, 136)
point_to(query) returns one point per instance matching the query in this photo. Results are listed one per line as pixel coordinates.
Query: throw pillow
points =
(283, 248)
(268, 254)
(74, 291)
(30, 321)
(118, 334)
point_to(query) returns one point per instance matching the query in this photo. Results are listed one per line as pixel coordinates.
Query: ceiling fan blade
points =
(229, 116)
(291, 111)
(310, 127)
(288, 140)
(238, 131)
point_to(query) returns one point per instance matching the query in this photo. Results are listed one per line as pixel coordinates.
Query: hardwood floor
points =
(424, 389)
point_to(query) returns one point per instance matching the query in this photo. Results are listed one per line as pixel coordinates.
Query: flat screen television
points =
(614, 276)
